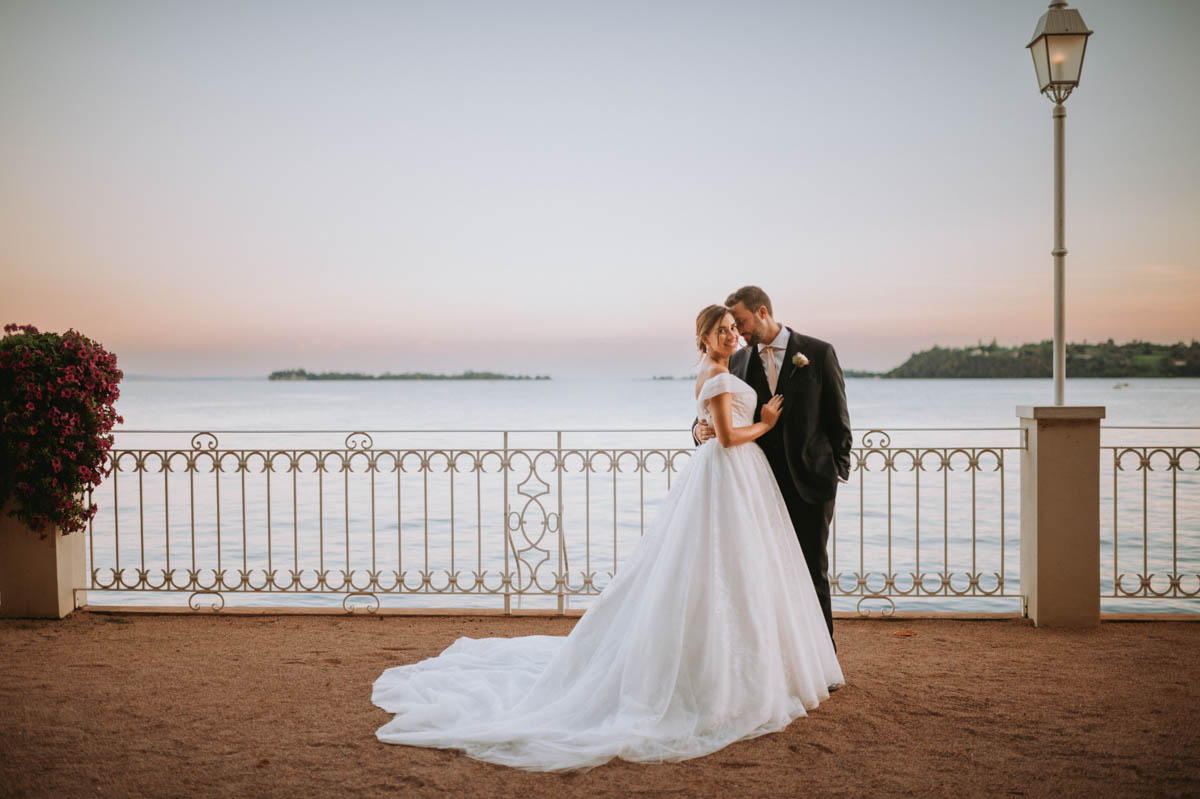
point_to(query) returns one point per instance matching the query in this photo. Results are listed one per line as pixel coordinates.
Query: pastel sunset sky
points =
(228, 188)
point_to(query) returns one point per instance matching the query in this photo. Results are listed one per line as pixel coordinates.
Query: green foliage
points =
(1135, 359)
(56, 413)
(1108, 360)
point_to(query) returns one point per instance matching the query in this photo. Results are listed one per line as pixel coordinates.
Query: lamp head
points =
(1058, 45)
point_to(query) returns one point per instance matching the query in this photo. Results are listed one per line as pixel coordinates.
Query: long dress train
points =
(709, 633)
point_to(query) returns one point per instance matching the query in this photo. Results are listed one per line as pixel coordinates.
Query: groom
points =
(809, 448)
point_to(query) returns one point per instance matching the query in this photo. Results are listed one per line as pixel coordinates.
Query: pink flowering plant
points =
(56, 417)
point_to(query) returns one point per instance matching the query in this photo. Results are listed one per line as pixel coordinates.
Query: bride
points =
(708, 634)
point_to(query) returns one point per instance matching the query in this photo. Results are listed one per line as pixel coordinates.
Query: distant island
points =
(301, 374)
(1106, 359)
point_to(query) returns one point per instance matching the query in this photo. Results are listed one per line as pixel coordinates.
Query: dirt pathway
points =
(209, 705)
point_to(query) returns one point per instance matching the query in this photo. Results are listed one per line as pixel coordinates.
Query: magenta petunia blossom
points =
(56, 406)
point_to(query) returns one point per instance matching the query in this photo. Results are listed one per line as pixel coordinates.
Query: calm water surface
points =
(925, 535)
(610, 403)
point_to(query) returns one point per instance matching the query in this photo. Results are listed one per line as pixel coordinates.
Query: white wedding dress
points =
(709, 633)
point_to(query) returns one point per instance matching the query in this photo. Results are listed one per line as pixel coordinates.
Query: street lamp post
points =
(1058, 44)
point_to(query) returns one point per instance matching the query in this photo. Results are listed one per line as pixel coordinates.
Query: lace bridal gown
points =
(709, 633)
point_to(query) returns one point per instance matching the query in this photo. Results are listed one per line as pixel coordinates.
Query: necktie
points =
(768, 353)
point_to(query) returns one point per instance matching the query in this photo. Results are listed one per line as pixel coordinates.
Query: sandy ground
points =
(233, 706)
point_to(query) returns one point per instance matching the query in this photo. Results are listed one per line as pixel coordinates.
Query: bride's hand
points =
(771, 410)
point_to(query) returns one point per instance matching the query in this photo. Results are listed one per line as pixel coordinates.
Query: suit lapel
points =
(739, 364)
(793, 347)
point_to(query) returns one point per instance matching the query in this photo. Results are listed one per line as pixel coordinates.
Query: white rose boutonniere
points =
(799, 360)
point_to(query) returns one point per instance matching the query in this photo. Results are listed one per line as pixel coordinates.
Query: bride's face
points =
(722, 340)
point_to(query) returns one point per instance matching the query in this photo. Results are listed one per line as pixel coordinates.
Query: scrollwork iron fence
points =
(508, 523)
(967, 565)
(1150, 537)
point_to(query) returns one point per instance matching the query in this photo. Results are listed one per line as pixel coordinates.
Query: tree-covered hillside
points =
(1135, 359)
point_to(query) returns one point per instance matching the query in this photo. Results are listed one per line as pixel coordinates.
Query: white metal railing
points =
(435, 516)
(944, 515)
(1150, 515)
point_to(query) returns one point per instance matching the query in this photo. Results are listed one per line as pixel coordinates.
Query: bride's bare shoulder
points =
(707, 372)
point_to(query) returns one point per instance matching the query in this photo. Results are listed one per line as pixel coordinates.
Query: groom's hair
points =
(752, 297)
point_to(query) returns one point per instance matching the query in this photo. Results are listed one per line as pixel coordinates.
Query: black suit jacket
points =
(812, 437)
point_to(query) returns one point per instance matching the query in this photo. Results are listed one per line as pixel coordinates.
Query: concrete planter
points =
(38, 576)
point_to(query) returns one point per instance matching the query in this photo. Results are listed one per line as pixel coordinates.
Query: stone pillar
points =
(1060, 514)
(38, 576)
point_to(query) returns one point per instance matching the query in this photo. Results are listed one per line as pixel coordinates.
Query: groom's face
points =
(749, 325)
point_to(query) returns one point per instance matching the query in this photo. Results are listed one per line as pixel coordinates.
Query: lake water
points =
(249, 404)
(931, 526)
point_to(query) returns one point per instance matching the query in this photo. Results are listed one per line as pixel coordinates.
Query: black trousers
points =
(811, 523)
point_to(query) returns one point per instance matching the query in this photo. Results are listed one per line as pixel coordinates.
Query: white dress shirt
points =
(780, 349)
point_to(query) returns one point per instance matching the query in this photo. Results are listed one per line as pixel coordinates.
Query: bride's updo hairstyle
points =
(708, 319)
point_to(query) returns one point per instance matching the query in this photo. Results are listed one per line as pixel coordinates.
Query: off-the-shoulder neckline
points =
(720, 374)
